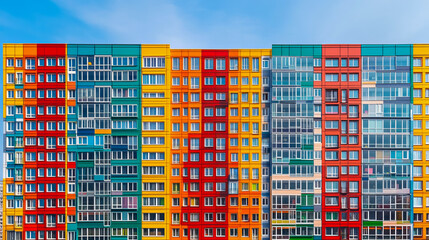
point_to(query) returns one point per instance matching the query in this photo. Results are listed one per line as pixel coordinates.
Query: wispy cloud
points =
(363, 21)
(191, 24)
(253, 24)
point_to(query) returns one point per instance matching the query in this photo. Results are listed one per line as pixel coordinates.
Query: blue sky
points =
(214, 24)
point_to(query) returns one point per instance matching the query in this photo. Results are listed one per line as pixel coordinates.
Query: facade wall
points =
(148, 142)
(386, 150)
(340, 91)
(295, 169)
(35, 135)
(420, 145)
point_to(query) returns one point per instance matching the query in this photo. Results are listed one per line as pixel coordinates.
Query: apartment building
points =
(147, 142)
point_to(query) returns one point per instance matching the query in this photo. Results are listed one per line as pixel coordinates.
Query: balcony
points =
(30, 178)
(331, 145)
(331, 99)
(353, 114)
(51, 224)
(331, 95)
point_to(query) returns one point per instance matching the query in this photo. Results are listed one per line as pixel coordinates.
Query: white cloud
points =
(163, 22)
(253, 24)
(363, 21)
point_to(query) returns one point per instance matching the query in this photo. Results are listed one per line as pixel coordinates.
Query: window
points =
(220, 80)
(353, 187)
(153, 62)
(195, 63)
(353, 111)
(418, 202)
(153, 79)
(176, 64)
(418, 185)
(353, 127)
(233, 64)
(353, 77)
(331, 155)
(331, 95)
(244, 97)
(317, 62)
(30, 78)
(331, 62)
(331, 141)
(331, 77)
(208, 81)
(245, 63)
(51, 62)
(331, 109)
(331, 231)
(417, 93)
(265, 63)
(417, 140)
(332, 171)
(417, 77)
(331, 187)
(417, 62)
(331, 216)
(331, 125)
(175, 81)
(9, 62)
(208, 63)
(353, 62)
(417, 171)
(220, 64)
(30, 63)
(353, 93)
(255, 64)
(18, 63)
(317, 77)
(185, 63)
(234, 81)
(195, 82)
(417, 109)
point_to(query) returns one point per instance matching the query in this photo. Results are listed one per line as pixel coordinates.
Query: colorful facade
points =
(148, 142)
(420, 133)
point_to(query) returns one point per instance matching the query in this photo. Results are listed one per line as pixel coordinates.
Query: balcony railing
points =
(331, 145)
(176, 222)
(331, 99)
(51, 224)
